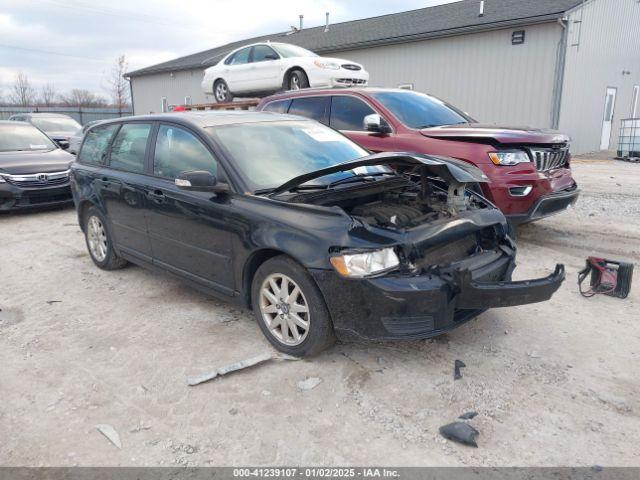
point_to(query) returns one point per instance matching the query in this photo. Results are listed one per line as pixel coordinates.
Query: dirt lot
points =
(554, 383)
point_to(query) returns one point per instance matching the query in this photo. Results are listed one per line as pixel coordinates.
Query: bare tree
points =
(47, 94)
(22, 93)
(82, 98)
(118, 86)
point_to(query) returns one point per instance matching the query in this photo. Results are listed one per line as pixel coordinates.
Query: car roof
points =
(203, 119)
(333, 91)
(16, 122)
(44, 114)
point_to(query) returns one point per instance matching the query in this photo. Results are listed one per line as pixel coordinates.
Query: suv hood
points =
(449, 169)
(24, 163)
(496, 133)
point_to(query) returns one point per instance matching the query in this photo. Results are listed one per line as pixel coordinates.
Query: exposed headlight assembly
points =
(326, 64)
(509, 157)
(365, 264)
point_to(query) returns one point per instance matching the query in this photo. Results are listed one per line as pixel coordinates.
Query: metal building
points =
(567, 64)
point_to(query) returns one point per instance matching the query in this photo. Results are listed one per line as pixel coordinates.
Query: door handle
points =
(157, 196)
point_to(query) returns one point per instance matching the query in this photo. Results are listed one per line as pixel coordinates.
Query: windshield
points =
(287, 51)
(417, 110)
(271, 153)
(56, 124)
(23, 137)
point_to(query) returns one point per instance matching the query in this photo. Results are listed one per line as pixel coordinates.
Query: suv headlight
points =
(509, 157)
(364, 264)
(326, 64)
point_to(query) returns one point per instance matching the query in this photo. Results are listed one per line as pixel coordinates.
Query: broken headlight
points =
(509, 157)
(364, 264)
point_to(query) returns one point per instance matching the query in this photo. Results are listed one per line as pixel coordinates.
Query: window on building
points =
(129, 147)
(347, 113)
(187, 100)
(164, 106)
(95, 145)
(316, 108)
(178, 150)
(279, 106)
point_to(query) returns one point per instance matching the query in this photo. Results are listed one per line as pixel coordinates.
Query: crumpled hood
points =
(449, 169)
(496, 133)
(23, 163)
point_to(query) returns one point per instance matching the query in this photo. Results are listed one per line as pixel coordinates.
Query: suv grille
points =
(549, 158)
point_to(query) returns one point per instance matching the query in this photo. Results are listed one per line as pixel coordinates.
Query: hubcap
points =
(221, 92)
(284, 309)
(97, 238)
(294, 83)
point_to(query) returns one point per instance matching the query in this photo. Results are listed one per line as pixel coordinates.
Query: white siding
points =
(480, 73)
(609, 43)
(149, 90)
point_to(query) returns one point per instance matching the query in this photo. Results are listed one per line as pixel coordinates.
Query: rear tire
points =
(290, 308)
(221, 92)
(99, 241)
(297, 80)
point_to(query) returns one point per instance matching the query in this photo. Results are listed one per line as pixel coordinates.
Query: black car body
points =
(59, 127)
(34, 172)
(377, 252)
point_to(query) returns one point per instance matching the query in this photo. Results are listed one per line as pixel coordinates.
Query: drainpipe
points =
(561, 57)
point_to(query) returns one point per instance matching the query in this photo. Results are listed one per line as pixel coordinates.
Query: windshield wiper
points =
(357, 178)
(265, 191)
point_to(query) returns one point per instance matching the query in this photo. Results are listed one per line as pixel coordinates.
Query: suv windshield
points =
(23, 137)
(417, 110)
(56, 124)
(269, 154)
(288, 51)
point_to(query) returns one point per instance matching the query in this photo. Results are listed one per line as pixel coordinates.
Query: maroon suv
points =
(528, 168)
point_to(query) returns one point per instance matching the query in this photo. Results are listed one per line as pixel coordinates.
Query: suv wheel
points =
(297, 80)
(290, 309)
(221, 92)
(99, 241)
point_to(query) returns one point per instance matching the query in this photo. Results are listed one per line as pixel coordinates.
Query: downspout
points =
(561, 57)
(133, 110)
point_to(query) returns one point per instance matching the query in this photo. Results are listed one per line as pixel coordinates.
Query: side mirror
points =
(201, 181)
(375, 123)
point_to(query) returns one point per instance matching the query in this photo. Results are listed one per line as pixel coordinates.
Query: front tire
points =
(99, 242)
(290, 309)
(297, 80)
(221, 92)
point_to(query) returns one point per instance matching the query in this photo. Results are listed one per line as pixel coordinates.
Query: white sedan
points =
(265, 68)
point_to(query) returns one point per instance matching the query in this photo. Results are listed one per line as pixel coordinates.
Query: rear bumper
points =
(423, 306)
(547, 206)
(16, 198)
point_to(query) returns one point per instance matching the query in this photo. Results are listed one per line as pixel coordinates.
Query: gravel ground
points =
(554, 384)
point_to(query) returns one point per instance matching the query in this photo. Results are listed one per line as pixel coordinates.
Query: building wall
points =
(603, 41)
(149, 90)
(481, 73)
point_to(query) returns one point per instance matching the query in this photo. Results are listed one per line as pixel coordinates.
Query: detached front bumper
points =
(411, 307)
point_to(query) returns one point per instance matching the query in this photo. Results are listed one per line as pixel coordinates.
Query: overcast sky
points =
(73, 43)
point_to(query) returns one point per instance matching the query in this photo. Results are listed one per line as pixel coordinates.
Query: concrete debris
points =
(111, 434)
(309, 383)
(249, 362)
(51, 302)
(456, 369)
(468, 415)
(460, 432)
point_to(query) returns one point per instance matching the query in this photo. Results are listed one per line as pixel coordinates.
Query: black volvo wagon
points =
(295, 221)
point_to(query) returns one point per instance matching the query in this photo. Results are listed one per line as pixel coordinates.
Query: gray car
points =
(57, 126)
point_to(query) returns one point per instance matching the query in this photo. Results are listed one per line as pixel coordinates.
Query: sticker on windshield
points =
(322, 134)
(37, 147)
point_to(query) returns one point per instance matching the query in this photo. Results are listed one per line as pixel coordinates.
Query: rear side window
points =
(347, 113)
(280, 106)
(129, 147)
(240, 57)
(316, 108)
(178, 150)
(95, 145)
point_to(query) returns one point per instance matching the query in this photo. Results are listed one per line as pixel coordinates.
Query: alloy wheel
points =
(294, 82)
(97, 238)
(284, 309)
(221, 92)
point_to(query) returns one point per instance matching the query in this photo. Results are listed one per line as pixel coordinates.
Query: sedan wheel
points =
(97, 239)
(284, 309)
(221, 92)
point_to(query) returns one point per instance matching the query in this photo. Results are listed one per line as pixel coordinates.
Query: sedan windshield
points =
(56, 124)
(288, 51)
(271, 153)
(417, 110)
(23, 137)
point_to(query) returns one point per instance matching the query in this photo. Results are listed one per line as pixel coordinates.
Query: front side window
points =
(129, 147)
(268, 154)
(262, 53)
(54, 124)
(417, 110)
(178, 150)
(279, 106)
(240, 57)
(347, 113)
(95, 145)
(311, 107)
(23, 138)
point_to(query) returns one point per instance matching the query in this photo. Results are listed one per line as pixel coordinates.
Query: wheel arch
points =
(285, 77)
(82, 210)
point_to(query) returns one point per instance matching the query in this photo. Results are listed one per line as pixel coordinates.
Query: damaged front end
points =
(424, 253)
